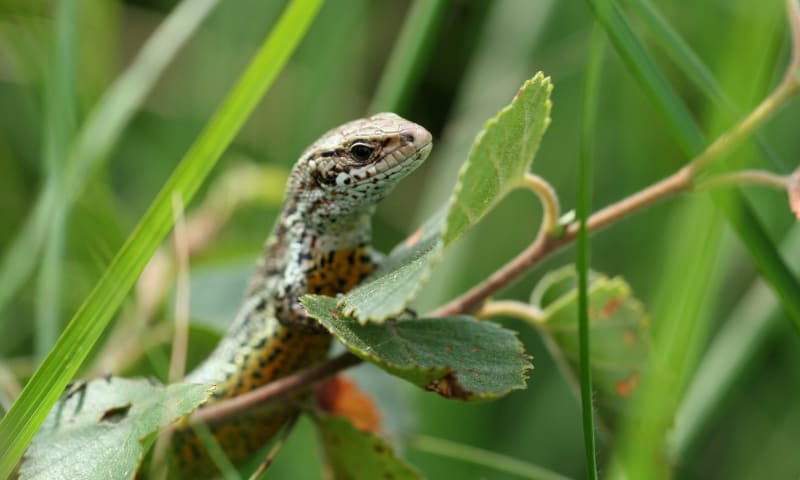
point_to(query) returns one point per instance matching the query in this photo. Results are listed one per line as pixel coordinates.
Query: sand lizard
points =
(320, 244)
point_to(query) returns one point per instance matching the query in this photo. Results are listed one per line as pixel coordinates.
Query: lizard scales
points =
(319, 244)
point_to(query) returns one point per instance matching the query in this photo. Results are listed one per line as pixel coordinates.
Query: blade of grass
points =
(647, 73)
(693, 67)
(60, 112)
(478, 456)
(752, 322)
(19, 425)
(680, 52)
(409, 55)
(588, 121)
(99, 133)
(737, 210)
(657, 397)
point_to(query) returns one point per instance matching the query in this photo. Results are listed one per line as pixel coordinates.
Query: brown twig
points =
(275, 390)
(754, 177)
(546, 244)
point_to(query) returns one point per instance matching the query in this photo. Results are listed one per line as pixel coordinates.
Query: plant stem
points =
(725, 142)
(275, 390)
(549, 198)
(759, 177)
(511, 308)
(680, 181)
(546, 244)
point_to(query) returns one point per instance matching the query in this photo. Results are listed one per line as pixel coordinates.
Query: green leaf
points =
(102, 429)
(500, 157)
(457, 357)
(619, 328)
(29, 411)
(352, 454)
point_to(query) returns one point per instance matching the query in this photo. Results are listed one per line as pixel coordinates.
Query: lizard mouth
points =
(389, 163)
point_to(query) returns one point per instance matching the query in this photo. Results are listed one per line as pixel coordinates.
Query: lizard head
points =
(354, 166)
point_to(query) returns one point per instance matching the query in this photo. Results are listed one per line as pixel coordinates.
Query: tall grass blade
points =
(588, 121)
(754, 320)
(737, 210)
(693, 67)
(27, 413)
(96, 138)
(409, 55)
(60, 117)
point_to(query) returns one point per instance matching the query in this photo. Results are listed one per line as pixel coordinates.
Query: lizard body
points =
(320, 244)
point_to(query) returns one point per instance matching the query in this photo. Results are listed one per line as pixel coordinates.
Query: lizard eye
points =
(361, 152)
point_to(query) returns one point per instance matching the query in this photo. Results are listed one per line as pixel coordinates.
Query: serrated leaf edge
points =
(538, 78)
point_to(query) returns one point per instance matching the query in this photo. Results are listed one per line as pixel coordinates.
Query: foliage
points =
(503, 151)
(456, 357)
(87, 140)
(103, 416)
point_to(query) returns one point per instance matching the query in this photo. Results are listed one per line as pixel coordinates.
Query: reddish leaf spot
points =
(413, 239)
(626, 386)
(448, 348)
(334, 314)
(519, 93)
(611, 307)
(474, 349)
(342, 396)
(629, 337)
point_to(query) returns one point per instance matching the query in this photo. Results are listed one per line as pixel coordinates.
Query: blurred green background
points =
(480, 52)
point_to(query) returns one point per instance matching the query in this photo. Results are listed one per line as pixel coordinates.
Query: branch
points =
(547, 195)
(274, 390)
(546, 244)
(756, 177)
(680, 181)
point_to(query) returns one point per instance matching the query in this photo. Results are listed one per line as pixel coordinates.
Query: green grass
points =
(87, 141)
(26, 414)
(583, 261)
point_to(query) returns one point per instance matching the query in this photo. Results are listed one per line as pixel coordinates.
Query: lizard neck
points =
(325, 255)
(310, 253)
(306, 226)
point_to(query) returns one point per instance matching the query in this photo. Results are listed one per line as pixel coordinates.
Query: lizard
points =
(320, 244)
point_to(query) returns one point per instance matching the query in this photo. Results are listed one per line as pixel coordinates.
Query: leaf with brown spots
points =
(355, 455)
(619, 331)
(106, 415)
(341, 396)
(456, 357)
